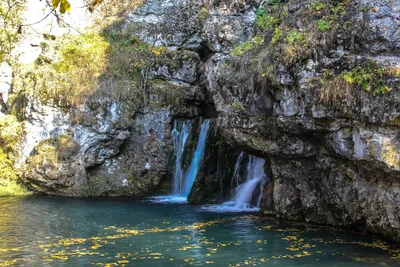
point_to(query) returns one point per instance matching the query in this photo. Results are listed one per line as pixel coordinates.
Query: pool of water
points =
(49, 231)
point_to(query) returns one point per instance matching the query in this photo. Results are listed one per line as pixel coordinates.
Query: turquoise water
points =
(47, 231)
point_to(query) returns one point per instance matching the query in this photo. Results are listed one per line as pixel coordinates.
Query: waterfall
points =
(197, 156)
(183, 180)
(248, 195)
(179, 139)
(235, 176)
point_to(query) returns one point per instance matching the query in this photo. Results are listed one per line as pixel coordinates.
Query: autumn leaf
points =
(55, 3)
(64, 5)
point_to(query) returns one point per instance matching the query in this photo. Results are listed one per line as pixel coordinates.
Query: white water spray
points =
(183, 180)
(248, 195)
(179, 139)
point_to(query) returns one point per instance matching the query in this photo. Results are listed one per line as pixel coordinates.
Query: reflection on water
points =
(44, 231)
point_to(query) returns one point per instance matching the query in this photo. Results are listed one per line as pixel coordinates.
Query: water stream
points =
(183, 180)
(179, 139)
(235, 176)
(196, 159)
(247, 196)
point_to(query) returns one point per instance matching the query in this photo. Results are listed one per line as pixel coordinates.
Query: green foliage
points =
(250, 44)
(11, 188)
(370, 77)
(331, 12)
(317, 6)
(237, 106)
(7, 171)
(277, 35)
(76, 67)
(266, 21)
(293, 36)
(338, 10)
(274, 2)
(11, 132)
(72, 72)
(323, 25)
(10, 19)
(204, 13)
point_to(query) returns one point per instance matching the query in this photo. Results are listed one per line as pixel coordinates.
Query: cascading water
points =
(247, 196)
(183, 181)
(197, 156)
(235, 176)
(179, 139)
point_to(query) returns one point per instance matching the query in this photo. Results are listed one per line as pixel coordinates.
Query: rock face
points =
(119, 147)
(304, 100)
(332, 161)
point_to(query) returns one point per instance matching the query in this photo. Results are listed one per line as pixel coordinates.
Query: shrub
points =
(74, 74)
(11, 132)
(370, 78)
(323, 25)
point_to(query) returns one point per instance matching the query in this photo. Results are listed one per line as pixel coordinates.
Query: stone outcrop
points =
(332, 162)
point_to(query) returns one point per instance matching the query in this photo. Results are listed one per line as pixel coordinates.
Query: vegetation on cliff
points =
(11, 132)
(309, 32)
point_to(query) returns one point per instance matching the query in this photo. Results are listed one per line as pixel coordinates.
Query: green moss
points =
(250, 44)
(166, 94)
(95, 186)
(45, 154)
(237, 106)
(204, 13)
(53, 151)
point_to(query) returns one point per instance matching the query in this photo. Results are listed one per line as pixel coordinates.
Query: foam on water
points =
(247, 196)
(175, 199)
(229, 207)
